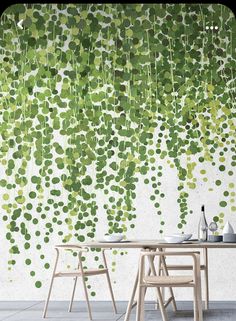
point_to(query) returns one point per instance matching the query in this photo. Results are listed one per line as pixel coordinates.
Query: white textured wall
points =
(18, 285)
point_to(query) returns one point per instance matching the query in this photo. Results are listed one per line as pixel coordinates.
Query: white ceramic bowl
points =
(174, 238)
(113, 237)
(186, 236)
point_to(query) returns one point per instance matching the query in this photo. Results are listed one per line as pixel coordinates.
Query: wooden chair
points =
(79, 272)
(163, 265)
(157, 281)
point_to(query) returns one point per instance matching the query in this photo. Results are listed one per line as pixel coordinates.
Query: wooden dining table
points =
(161, 245)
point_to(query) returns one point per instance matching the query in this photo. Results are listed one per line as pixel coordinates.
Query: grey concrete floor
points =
(102, 311)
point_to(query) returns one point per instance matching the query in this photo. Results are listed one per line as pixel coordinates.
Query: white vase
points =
(228, 228)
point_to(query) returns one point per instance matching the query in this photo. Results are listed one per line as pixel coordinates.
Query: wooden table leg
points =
(163, 262)
(205, 253)
(132, 303)
(153, 270)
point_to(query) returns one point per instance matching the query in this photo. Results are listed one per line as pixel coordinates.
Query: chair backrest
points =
(73, 247)
(195, 255)
(80, 250)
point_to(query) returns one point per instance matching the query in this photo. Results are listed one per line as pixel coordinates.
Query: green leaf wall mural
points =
(95, 98)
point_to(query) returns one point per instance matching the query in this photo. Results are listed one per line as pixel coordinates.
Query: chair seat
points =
(171, 279)
(75, 273)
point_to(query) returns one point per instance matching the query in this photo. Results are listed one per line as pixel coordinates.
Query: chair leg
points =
(199, 296)
(51, 284)
(48, 298)
(73, 294)
(161, 305)
(195, 303)
(111, 291)
(198, 315)
(86, 297)
(206, 278)
(131, 301)
(199, 301)
(140, 304)
(109, 281)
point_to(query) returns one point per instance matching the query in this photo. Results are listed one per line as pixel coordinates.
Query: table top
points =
(140, 244)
